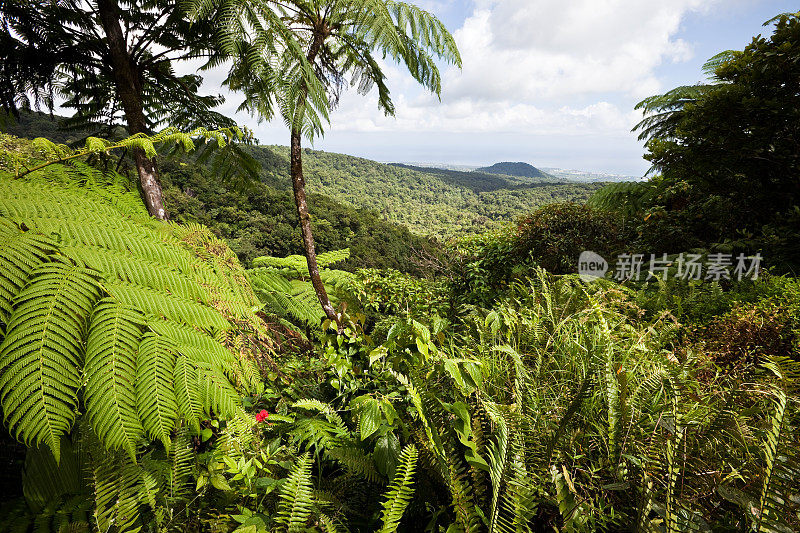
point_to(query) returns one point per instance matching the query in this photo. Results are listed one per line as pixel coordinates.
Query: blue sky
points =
(550, 82)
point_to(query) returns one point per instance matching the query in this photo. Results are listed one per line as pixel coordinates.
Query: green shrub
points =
(555, 235)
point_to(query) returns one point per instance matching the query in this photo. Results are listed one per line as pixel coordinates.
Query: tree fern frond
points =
(155, 393)
(157, 303)
(119, 266)
(328, 259)
(110, 371)
(193, 343)
(45, 481)
(20, 252)
(118, 489)
(42, 354)
(187, 392)
(218, 394)
(181, 462)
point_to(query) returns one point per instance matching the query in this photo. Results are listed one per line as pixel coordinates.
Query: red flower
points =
(260, 417)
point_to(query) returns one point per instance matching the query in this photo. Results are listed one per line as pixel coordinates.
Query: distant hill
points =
(521, 170)
(429, 201)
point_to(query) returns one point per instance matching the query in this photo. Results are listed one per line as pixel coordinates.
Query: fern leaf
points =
(20, 252)
(296, 497)
(137, 271)
(110, 369)
(187, 392)
(181, 462)
(218, 394)
(159, 304)
(193, 343)
(331, 258)
(118, 486)
(45, 481)
(155, 393)
(42, 353)
(400, 491)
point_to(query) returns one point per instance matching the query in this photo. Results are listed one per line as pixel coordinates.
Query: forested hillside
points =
(257, 219)
(428, 201)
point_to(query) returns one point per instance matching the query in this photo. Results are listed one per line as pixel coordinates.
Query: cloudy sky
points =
(550, 82)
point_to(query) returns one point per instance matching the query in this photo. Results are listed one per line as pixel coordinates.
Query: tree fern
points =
(281, 285)
(42, 353)
(44, 481)
(110, 369)
(219, 396)
(90, 286)
(119, 266)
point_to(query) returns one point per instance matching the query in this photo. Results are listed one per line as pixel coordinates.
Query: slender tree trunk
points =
(299, 187)
(128, 81)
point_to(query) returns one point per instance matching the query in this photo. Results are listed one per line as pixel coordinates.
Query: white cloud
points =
(549, 49)
(565, 69)
(470, 116)
(553, 67)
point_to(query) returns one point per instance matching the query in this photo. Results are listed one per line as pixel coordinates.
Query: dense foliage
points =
(92, 287)
(259, 219)
(726, 155)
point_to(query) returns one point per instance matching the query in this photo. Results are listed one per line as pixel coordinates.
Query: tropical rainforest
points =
(199, 333)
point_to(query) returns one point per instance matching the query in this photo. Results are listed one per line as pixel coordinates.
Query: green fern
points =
(119, 489)
(87, 289)
(20, 252)
(110, 368)
(281, 285)
(156, 400)
(42, 353)
(296, 497)
(400, 491)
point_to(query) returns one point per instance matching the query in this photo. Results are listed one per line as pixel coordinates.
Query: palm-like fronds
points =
(281, 285)
(663, 112)
(42, 353)
(89, 289)
(114, 335)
